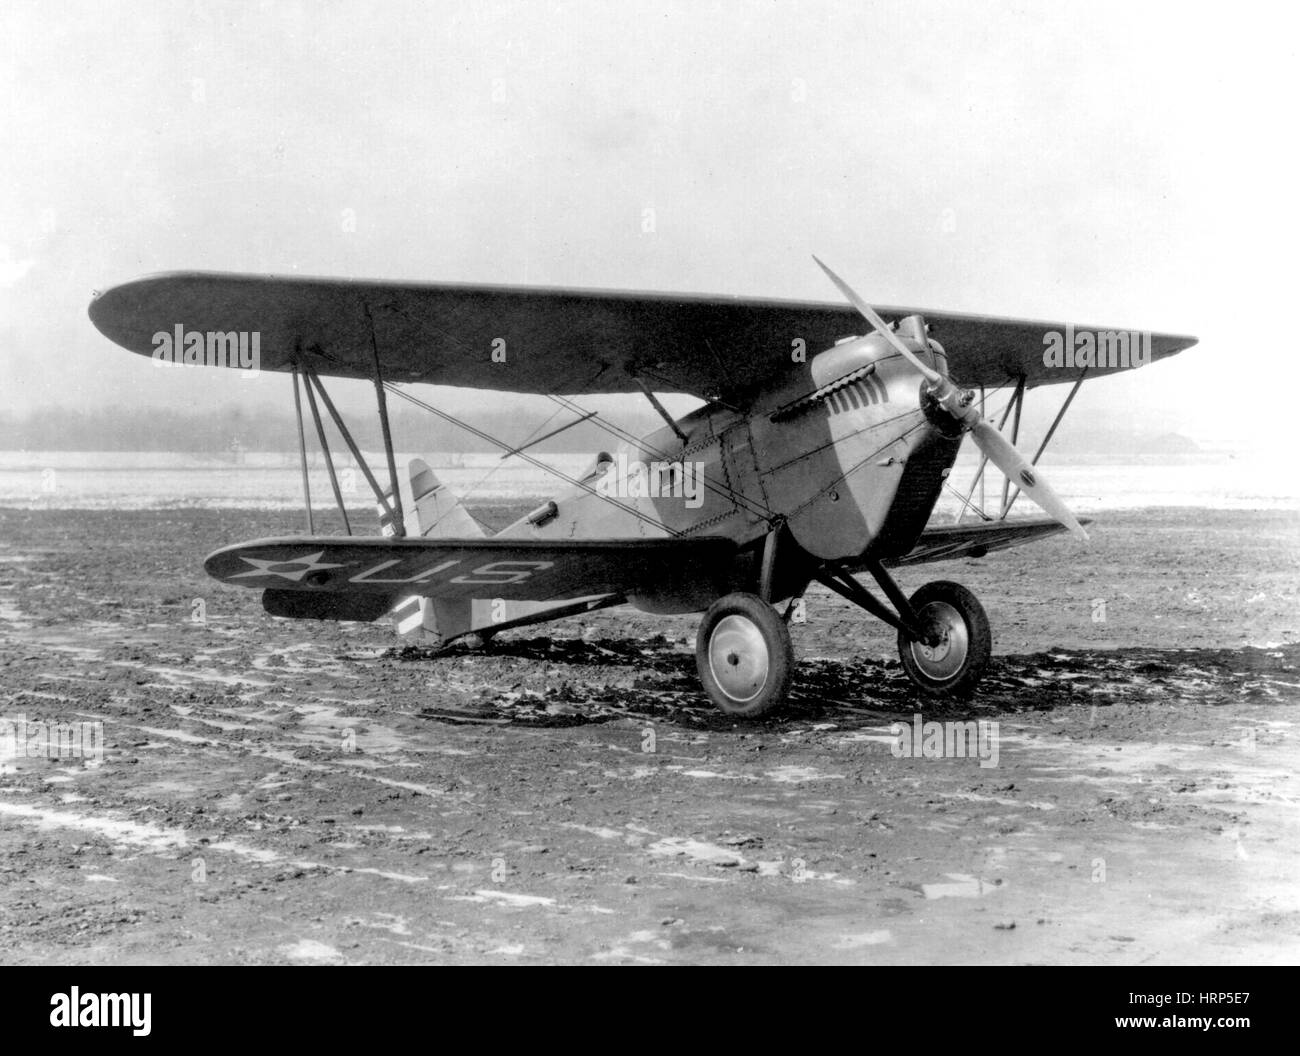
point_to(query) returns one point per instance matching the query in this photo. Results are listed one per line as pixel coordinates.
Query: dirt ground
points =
(274, 791)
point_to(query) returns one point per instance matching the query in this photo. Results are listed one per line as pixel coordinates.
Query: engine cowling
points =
(838, 452)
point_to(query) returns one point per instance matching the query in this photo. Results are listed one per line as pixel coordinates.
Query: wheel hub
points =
(951, 641)
(738, 658)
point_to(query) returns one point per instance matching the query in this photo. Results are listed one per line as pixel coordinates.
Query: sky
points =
(1121, 164)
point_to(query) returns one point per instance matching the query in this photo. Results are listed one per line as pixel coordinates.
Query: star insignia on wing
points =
(293, 570)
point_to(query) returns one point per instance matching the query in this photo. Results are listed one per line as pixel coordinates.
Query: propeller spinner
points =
(959, 404)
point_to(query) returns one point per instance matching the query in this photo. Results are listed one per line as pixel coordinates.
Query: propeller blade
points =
(869, 314)
(995, 446)
(1021, 473)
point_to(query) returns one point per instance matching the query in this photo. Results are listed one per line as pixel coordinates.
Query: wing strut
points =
(329, 459)
(663, 411)
(1008, 496)
(1050, 432)
(978, 481)
(302, 451)
(1019, 404)
(380, 496)
(399, 525)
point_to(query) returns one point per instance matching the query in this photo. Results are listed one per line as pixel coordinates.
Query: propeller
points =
(960, 405)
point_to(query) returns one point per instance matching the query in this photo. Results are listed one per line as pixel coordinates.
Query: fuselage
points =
(839, 451)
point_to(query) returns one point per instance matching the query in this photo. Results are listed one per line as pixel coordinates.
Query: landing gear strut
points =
(746, 661)
(944, 640)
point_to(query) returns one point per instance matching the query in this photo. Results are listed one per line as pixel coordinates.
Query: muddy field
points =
(272, 791)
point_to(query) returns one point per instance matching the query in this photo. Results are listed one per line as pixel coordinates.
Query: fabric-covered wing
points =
(975, 540)
(553, 340)
(511, 569)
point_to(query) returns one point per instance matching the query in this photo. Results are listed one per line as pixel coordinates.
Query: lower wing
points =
(511, 569)
(976, 540)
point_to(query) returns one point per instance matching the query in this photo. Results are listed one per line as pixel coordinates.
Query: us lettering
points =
(368, 576)
(499, 573)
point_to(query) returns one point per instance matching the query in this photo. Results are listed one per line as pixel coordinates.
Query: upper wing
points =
(511, 569)
(553, 340)
(977, 539)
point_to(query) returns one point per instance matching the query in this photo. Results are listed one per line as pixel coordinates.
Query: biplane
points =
(827, 435)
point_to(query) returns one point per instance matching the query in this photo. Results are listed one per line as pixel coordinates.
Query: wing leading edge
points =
(544, 340)
(948, 542)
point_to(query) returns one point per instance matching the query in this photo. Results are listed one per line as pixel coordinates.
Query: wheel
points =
(744, 655)
(956, 663)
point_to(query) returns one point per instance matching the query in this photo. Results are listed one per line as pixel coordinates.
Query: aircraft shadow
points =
(654, 678)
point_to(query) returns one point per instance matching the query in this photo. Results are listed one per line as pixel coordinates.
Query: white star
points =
(277, 567)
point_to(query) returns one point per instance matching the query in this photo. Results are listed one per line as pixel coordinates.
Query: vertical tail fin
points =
(438, 510)
(434, 511)
(431, 510)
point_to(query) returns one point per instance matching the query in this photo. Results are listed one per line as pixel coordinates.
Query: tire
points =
(744, 655)
(955, 667)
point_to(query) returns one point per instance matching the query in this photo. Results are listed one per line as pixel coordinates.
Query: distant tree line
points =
(270, 428)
